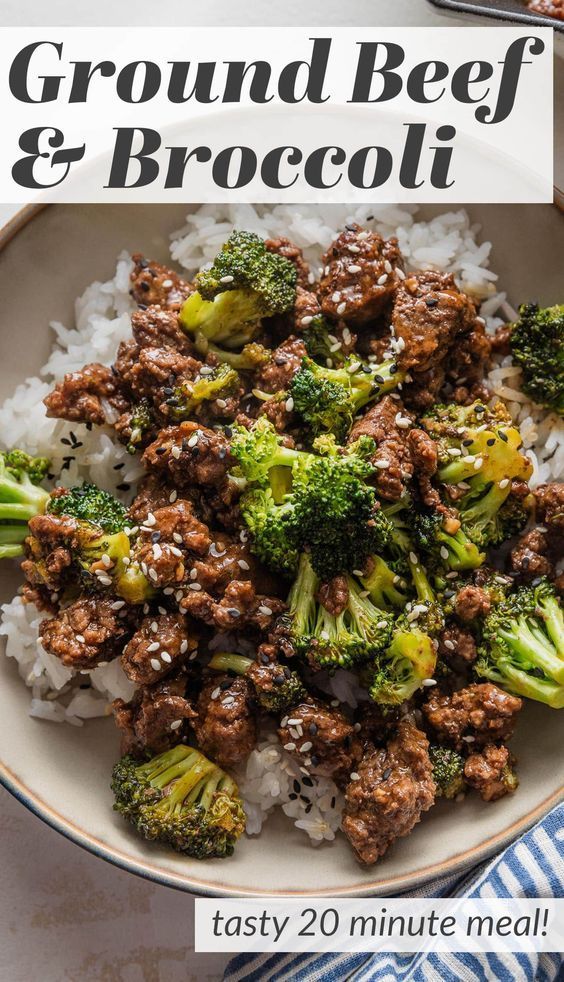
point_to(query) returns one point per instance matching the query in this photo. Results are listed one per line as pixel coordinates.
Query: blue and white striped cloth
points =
(532, 866)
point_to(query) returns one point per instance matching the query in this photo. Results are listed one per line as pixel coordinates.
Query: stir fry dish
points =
(330, 491)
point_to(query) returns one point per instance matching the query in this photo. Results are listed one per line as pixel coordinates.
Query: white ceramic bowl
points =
(62, 773)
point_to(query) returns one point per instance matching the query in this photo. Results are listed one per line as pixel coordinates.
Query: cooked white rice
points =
(448, 243)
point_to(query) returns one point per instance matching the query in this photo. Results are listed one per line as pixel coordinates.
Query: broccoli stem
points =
(523, 684)
(224, 661)
(532, 648)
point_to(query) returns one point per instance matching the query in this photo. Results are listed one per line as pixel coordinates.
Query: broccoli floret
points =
(141, 423)
(181, 799)
(298, 623)
(250, 357)
(401, 670)
(100, 545)
(352, 637)
(328, 399)
(321, 345)
(20, 498)
(287, 688)
(386, 586)
(454, 551)
(492, 517)
(333, 641)
(537, 345)
(218, 383)
(523, 645)
(448, 771)
(245, 283)
(315, 501)
(88, 503)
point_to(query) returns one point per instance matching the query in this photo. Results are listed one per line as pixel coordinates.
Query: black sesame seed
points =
(124, 486)
(491, 441)
(333, 801)
(118, 467)
(226, 684)
(314, 760)
(393, 369)
(308, 808)
(233, 612)
(480, 409)
(369, 218)
(366, 369)
(379, 379)
(537, 581)
(66, 441)
(467, 443)
(142, 263)
(297, 786)
(431, 301)
(312, 729)
(525, 562)
(350, 228)
(142, 306)
(168, 392)
(222, 452)
(144, 286)
(155, 536)
(89, 427)
(228, 432)
(278, 680)
(304, 798)
(292, 796)
(448, 594)
(502, 436)
(195, 451)
(386, 773)
(307, 781)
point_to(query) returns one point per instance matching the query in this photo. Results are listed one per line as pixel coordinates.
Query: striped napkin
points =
(532, 866)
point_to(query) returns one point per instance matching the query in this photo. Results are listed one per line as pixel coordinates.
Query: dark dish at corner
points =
(330, 486)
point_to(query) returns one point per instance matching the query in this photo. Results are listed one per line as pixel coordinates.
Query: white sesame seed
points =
(104, 580)
(195, 586)
(172, 497)
(306, 746)
(413, 558)
(106, 560)
(400, 273)
(81, 638)
(154, 646)
(243, 564)
(341, 308)
(157, 551)
(118, 604)
(429, 682)
(382, 464)
(227, 701)
(263, 609)
(449, 645)
(336, 296)
(175, 451)
(153, 575)
(402, 421)
(150, 520)
(503, 484)
(444, 552)
(354, 248)
(206, 370)
(362, 236)
(175, 551)
(388, 266)
(355, 776)
(382, 624)
(306, 320)
(156, 665)
(226, 279)
(454, 452)
(178, 596)
(289, 404)
(177, 537)
(311, 279)
(221, 403)
(167, 284)
(293, 722)
(354, 269)
(452, 575)
(183, 647)
(215, 693)
(382, 279)
(176, 724)
(478, 463)
(469, 739)
(154, 627)
(166, 657)
(326, 271)
(289, 746)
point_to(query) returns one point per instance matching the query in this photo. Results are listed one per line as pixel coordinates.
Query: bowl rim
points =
(479, 9)
(152, 871)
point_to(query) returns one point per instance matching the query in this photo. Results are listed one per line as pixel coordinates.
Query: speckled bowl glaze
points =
(62, 773)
